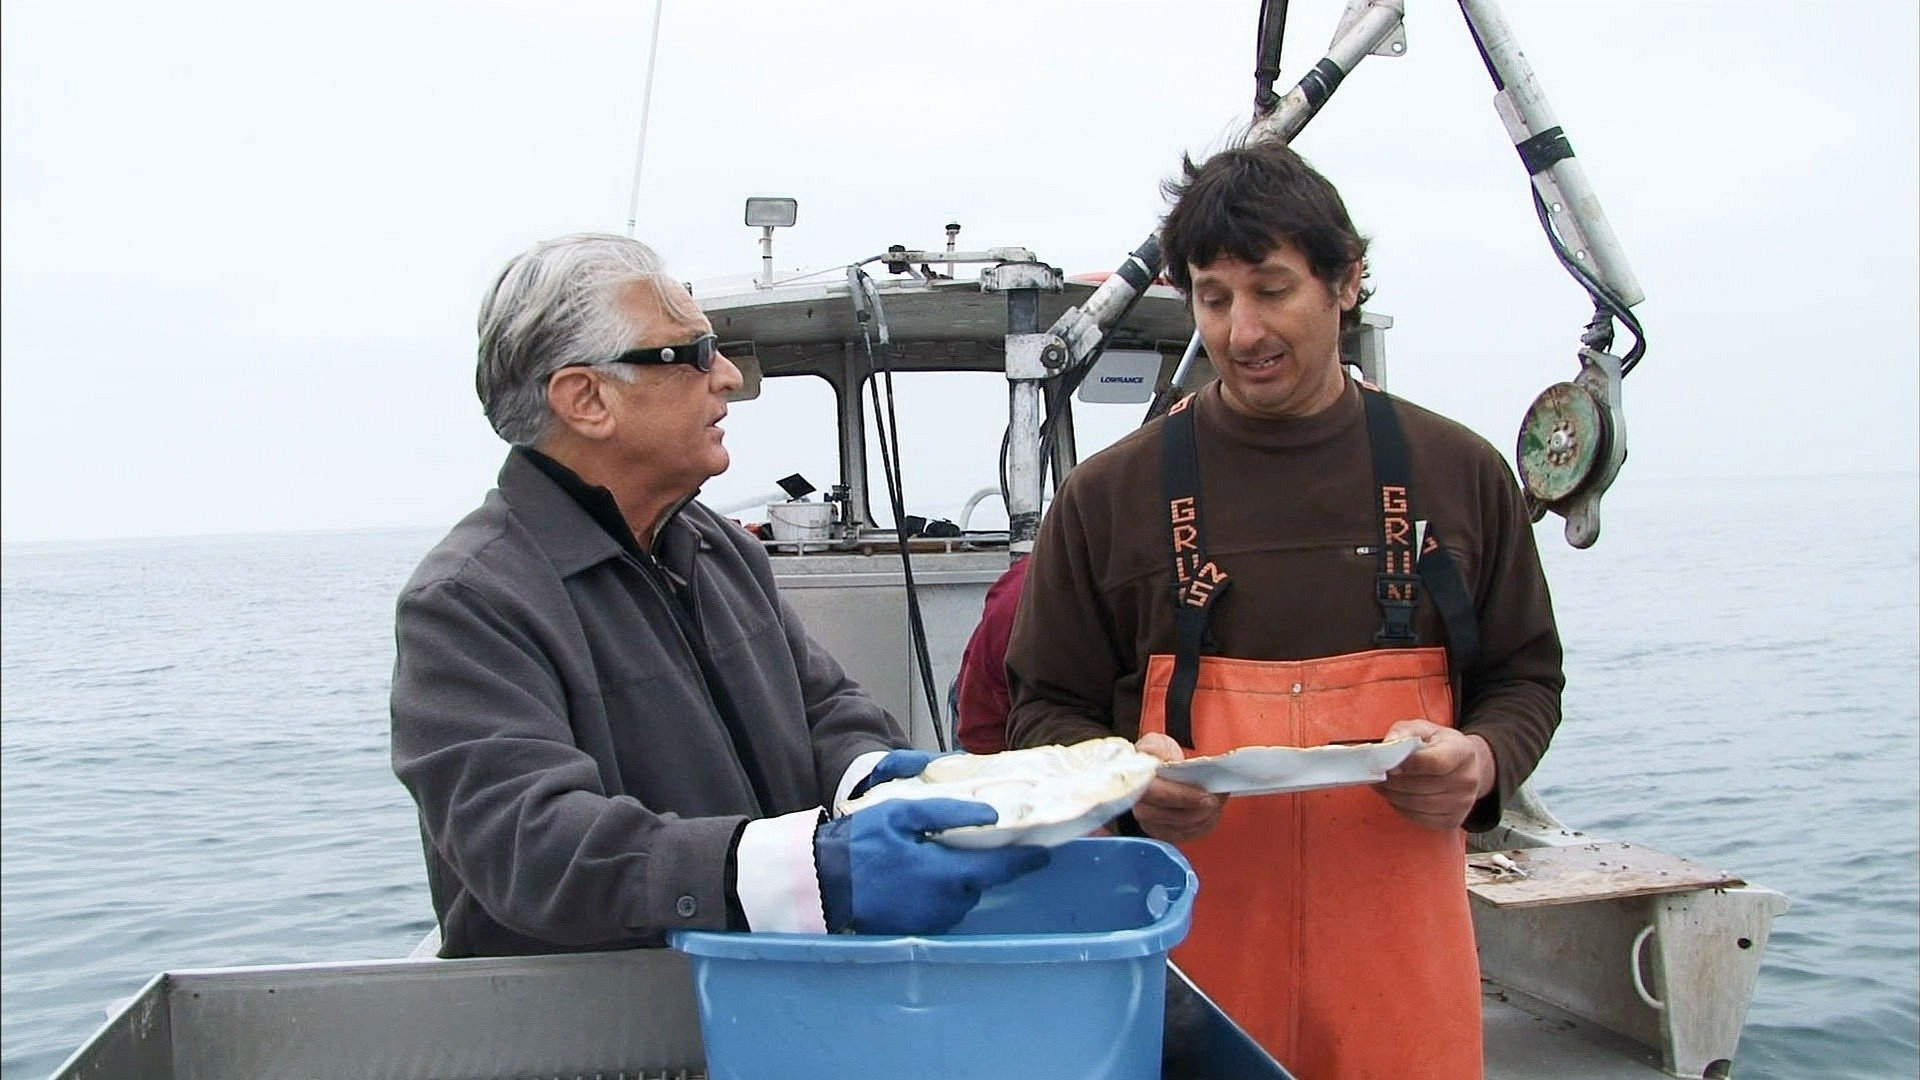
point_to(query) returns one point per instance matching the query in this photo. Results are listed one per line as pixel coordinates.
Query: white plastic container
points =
(805, 521)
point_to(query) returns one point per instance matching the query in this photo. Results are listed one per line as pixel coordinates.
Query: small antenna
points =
(646, 107)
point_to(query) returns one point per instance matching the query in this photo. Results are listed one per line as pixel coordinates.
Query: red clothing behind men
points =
(983, 666)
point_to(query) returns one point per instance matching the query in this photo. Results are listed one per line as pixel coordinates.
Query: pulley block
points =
(1573, 441)
(1564, 436)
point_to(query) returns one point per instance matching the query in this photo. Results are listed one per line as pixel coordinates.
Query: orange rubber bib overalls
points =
(1331, 928)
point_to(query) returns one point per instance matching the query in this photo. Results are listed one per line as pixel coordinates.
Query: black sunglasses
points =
(697, 354)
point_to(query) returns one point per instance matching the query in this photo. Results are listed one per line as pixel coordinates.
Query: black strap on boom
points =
(1197, 581)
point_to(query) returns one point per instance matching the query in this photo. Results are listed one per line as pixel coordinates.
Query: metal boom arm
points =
(1573, 439)
(1080, 331)
(1572, 207)
(1075, 339)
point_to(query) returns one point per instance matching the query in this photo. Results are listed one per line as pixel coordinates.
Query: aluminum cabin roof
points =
(803, 328)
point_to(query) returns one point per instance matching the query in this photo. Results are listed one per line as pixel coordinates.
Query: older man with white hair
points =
(611, 722)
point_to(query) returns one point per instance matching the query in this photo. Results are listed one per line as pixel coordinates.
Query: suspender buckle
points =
(1398, 596)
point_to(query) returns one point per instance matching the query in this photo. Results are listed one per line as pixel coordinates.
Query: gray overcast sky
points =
(244, 242)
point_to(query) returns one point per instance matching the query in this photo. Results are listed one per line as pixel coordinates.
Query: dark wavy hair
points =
(1244, 202)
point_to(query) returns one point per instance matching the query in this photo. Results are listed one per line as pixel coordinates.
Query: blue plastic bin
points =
(1060, 974)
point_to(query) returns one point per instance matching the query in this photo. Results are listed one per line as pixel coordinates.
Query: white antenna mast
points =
(646, 107)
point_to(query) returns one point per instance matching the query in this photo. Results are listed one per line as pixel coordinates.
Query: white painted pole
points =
(1571, 204)
(646, 108)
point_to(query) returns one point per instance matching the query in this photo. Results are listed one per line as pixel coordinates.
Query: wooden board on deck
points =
(1572, 873)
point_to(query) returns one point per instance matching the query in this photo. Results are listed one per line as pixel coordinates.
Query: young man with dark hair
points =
(1292, 558)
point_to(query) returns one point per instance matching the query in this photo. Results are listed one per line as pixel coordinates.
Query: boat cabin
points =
(821, 392)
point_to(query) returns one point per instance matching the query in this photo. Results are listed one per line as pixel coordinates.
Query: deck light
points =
(770, 213)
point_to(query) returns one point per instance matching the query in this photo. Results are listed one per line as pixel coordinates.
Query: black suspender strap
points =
(1396, 585)
(1197, 581)
(1449, 591)
(1408, 560)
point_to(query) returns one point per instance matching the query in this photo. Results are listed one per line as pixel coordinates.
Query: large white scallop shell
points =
(1046, 795)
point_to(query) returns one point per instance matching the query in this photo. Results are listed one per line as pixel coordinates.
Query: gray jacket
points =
(578, 786)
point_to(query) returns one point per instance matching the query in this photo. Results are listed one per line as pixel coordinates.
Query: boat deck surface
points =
(1527, 1038)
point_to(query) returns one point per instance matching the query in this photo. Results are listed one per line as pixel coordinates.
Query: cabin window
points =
(792, 427)
(1098, 425)
(951, 423)
(950, 427)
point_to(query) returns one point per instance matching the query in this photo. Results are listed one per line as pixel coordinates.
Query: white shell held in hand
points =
(1046, 795)
(1269, 770)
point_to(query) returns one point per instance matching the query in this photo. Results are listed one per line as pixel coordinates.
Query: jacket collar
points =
(571, 536)
(556, 521)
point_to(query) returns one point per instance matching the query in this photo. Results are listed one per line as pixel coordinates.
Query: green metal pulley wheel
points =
(1564, 436)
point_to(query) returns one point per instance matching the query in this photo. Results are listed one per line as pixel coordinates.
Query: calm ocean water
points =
(193, 752)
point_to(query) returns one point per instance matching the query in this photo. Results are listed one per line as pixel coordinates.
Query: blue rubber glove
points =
(879, 874)
(897, 765)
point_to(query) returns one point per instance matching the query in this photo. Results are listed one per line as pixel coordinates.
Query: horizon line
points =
(241, 533)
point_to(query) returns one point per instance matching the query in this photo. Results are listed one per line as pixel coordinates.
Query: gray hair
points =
(556, 305)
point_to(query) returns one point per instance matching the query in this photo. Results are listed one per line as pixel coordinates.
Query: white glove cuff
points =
(857, 771)
(775, 878)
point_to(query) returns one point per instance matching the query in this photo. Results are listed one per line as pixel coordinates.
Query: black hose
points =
(889, 439)
(1271, 32)
(1604, 299)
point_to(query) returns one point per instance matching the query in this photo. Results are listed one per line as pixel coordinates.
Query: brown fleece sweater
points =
(1288, 509)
